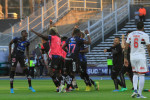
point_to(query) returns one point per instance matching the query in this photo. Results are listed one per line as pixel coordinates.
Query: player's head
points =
(64, 38)
(53, 31)
(116, 40)
(140, 26)
(76, 32)
(24, 33)
(82, 35)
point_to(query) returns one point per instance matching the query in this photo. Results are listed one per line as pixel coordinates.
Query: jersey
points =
(55, 45)
(138, 40)
(82, 54)
(74, 45)
(19, 46)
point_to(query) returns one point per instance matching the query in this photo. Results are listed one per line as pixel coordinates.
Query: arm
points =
(86, 50)
(88, 36)
(11, 42)
(40, 35)
(123, 42)
(64, 47)
(27, 50)
(126, 63)
(148, 49)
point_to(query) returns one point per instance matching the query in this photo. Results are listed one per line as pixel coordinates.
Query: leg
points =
(26, 71)
(143, 18)
(14, 62)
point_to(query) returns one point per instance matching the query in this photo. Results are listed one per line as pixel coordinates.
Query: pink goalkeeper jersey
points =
(55, 45)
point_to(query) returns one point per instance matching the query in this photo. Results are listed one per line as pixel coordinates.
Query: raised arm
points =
(126, 63)
(40, 35)
(88, 36)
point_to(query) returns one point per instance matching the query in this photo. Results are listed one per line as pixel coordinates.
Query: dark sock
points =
(11, 84)
(12, 73)
(119, 82)
(29, 82)
(123, 80)
(115, 83)
(92, 81)
(55, 81)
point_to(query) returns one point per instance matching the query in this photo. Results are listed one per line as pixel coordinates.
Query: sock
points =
(92, 81)
(135, 81)
(29, 82)
(74, 83)
(11, 83)
(141, 83)
(119, 82)
(123, 80)
(115, 83)
(55, 81)
(12, 73)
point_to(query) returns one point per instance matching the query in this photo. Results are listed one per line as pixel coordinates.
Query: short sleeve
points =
(15, 39)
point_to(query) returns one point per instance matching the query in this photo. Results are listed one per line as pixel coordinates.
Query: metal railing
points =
(103, 22)
(39, 20)
(142, 2)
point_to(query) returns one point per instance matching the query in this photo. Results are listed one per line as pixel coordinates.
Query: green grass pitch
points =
(45, 90)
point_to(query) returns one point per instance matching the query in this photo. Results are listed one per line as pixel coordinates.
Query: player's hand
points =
(105, 50)
(126, 63)
(76, 26)
(86, 32)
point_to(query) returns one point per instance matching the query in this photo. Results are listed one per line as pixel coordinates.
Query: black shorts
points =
(56, 62)
(71, 65)
(17, 58)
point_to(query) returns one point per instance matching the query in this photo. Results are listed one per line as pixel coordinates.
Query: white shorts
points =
(139, 66)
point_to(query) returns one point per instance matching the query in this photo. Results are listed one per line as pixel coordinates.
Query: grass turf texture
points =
(45, 90)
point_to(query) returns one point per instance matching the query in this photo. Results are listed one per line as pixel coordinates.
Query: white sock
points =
(135, 81)
(141, 83)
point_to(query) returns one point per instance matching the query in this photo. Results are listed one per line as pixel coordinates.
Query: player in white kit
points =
(138, 40)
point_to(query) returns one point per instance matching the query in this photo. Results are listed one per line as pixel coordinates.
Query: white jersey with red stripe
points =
(137, 41)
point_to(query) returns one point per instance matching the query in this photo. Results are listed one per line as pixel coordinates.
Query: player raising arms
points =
(73, 45)
(20, 44)
(137, 40)
(83, 67)
(54, 54)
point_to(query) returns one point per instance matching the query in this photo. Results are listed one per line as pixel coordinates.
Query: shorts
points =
(70, 65)
(17, 58)
(56, 62)
(139, 66)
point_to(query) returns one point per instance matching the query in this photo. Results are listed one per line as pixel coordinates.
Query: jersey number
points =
(136, 43)
(70, 46)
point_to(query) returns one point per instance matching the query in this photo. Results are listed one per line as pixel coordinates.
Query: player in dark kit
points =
(117, 62)
(83, 67)
(73, 45)
(20, 44)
